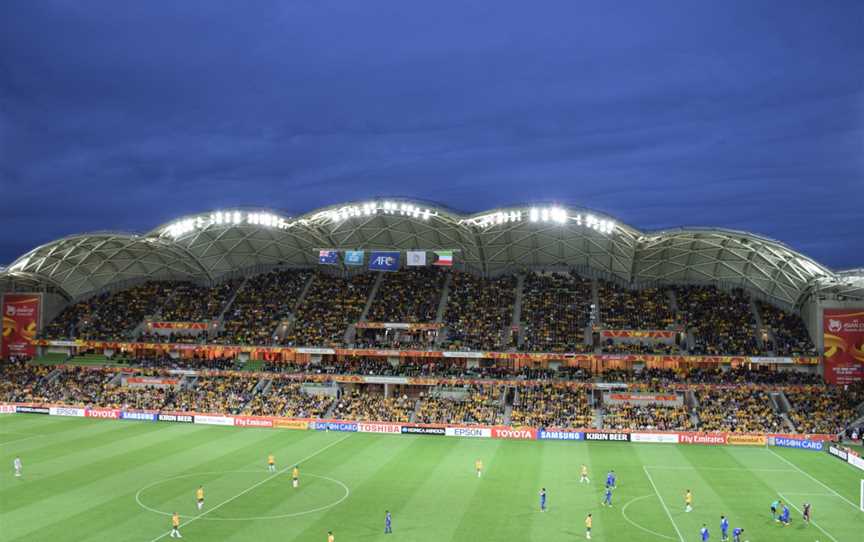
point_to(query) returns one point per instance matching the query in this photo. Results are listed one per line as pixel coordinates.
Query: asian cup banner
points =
(844, 345)
(20, 324)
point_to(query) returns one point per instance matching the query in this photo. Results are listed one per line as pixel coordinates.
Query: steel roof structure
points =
(207, 246)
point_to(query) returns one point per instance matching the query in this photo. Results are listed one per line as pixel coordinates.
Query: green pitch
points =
(103, 480)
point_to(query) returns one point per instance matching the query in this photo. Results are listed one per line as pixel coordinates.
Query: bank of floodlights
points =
(224, 218)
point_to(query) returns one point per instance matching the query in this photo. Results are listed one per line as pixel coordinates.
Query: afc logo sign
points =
(384, 261)
(834, 325)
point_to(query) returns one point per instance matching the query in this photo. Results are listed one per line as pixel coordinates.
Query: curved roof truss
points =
(207, 246)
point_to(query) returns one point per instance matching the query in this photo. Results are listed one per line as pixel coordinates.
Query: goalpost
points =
(861, 496)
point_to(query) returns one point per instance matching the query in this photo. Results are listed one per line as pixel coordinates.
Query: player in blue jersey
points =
(784, 517)
(736, 534)
(724, 528)
(610, 479)
(543, 499)
(704, 533)
(388, 522)
(607, 498)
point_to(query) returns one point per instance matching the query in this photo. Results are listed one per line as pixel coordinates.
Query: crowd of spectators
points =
(790, 336)
(191, 303)
(555, 310)
(622, 308)
(479, 311)
(722, 323)
(653, 417)
(228, 394)
(260, 305)
(408, 296)
(111, 316)
(370, 406)
(286, 398)
(743, 374)
(547, 405)
(744, 408)
(480, 406)
(20, 381)
(823, 409)
(331, 305)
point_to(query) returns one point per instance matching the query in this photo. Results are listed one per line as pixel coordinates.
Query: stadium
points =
(534, 343)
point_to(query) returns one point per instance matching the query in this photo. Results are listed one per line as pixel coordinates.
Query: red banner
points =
(102, 413)
(252, 421)
(178, 325)
(844, 345)
(702, 438)
(637, 334)
(514, 433)
(20, 324)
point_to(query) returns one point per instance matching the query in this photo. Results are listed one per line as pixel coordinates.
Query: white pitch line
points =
(22, 439)
(633, 523)
(811, 521)
(716, 468)
(668, 513)
(250, 488)
(796, 467)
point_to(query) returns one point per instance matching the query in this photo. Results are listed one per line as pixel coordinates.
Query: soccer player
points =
(199, 496)
(588, 523)
(774, 506)
(583, 478)
(704, 532)
(724, 528)
(610, 479)
(607, 497)
(478, 466)
(806, 508)
(19, 468)
(295, 476)
(388, 522)
(271, 463)
(688, 501)
(543, 499)
(736, 534)
(330, 537)
(784, 517)
(175, 526)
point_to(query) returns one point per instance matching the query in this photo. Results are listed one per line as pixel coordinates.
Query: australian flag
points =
(329, 257)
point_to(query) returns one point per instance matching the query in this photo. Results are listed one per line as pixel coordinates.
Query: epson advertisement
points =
(334, 426)
(802, 444)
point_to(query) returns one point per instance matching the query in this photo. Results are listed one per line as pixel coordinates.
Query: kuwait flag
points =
(444, 257)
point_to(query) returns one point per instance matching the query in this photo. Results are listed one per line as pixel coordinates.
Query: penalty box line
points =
(826, 533)
(250, 488)
(662, 502)
(796, 467)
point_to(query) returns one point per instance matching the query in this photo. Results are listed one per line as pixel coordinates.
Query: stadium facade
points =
(211, 247)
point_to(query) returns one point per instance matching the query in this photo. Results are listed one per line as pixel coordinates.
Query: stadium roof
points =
(206, 246)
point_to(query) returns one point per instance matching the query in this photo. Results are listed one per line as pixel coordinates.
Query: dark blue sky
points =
(123, 115)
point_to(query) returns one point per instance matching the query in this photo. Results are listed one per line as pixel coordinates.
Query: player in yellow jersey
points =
(478, 466)
(199, 497)
(589, 522)
(583, 477)
(330, 537)
(271, 463)
(175, 526)
(688, 501)
(295, 476)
